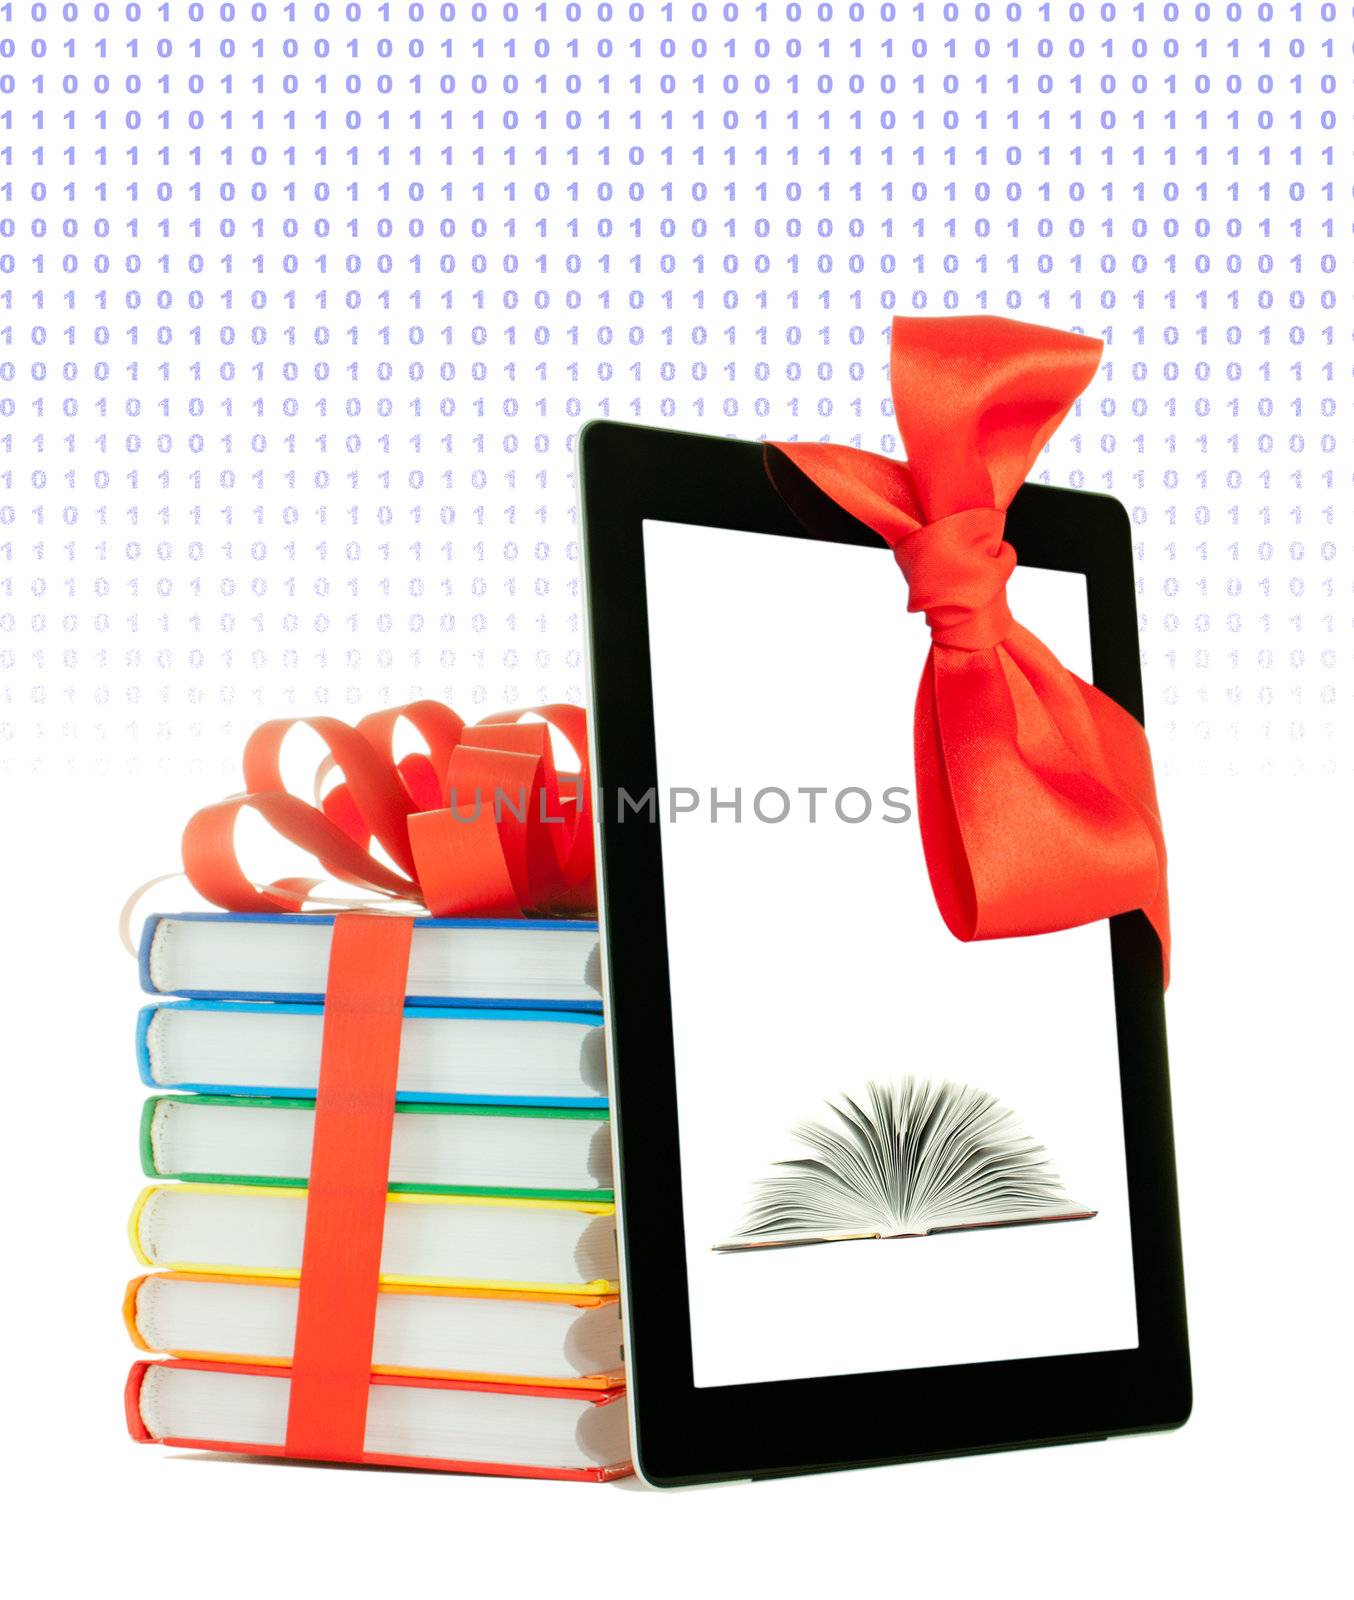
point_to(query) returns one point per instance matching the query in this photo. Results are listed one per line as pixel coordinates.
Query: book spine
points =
(129, 1309)
(146, 1139)
(145, 1018)
(131, 1402)
(143, 959)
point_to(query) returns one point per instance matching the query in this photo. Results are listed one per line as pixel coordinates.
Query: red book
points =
(508, 1430)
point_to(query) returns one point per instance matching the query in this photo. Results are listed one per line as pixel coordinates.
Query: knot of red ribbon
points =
(480, 824)
(956, 569)
(1035, 794)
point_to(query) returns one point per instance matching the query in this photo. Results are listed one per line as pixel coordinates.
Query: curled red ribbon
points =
(479, 825)
(1035, 794)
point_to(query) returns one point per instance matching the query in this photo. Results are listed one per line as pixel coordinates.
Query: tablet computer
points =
(883, 1195)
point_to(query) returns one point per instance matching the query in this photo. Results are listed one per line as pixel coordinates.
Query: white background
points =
(193, 539)
(1249, 1495)
(807, 957)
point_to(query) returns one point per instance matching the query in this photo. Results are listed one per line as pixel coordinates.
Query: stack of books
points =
(497, 1343)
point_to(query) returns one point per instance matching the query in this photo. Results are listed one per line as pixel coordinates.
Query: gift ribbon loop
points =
(481, 824)
(1035, 794)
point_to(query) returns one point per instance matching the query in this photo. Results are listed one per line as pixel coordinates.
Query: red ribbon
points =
(479, 825)
(1035, 795)
(346, 1187)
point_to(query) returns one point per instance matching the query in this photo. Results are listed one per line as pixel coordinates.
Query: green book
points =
(535, 1152)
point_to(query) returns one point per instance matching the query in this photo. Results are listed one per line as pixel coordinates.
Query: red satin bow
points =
(479, 826)
(1034, 790)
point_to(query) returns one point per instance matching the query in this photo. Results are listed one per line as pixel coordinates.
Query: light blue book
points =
(456, 1054)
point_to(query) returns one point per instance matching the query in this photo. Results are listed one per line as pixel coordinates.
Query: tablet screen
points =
(897, 1150)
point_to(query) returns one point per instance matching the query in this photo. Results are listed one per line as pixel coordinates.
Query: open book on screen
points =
(919, 1156)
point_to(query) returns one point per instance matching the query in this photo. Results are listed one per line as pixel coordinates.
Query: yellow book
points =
(447, 1241)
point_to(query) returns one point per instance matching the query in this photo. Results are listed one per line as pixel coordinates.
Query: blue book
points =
(460, 1055)
(545, 965)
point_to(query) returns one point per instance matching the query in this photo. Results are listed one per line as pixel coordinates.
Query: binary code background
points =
(303, 306)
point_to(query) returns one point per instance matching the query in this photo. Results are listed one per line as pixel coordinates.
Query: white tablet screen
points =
(808, 960)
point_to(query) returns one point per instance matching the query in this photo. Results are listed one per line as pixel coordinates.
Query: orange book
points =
(476, 1335)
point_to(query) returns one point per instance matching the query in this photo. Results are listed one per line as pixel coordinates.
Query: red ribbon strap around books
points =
(1035, 794)
(481, 825)
(346, 1191)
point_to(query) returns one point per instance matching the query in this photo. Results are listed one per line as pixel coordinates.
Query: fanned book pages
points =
(919, 1156)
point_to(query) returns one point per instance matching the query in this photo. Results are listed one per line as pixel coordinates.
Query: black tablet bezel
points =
(684, 1434)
